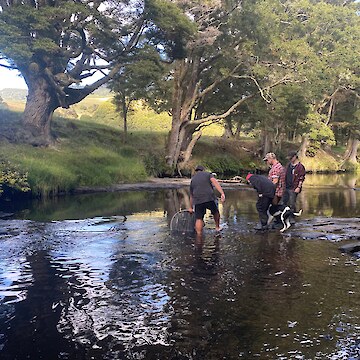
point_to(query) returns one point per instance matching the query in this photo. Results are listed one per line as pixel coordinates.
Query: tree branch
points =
(219, 117)
(10, 67)
(261, 91)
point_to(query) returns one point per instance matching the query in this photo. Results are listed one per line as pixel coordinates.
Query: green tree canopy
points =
(56, 45)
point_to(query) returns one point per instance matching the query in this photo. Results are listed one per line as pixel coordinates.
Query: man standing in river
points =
(202, 197)
(276, 175)
(294, 178)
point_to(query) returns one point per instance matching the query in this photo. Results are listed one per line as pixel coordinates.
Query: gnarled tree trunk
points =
(351, 150)
(304, 145)
(39, 109)
(186, 154)
(185, 79)
(228, 132)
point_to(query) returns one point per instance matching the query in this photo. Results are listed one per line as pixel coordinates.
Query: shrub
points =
(155, 165)
(223, 164)
(12, 180)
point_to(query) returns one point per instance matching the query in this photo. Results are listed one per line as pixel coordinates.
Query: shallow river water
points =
(102, 277)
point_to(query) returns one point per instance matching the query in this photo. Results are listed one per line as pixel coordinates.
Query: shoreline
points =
(176, 183)
(154, 184)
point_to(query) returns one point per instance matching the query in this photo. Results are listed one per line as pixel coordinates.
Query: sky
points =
(11, 79)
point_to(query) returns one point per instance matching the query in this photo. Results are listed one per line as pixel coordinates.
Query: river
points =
(100, 276)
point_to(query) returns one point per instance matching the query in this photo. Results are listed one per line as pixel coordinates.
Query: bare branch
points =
(187, 153)
(9, 67)
(261, 91)
(216, 118)
(77, 95)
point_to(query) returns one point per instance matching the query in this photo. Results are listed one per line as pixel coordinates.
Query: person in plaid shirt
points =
(276, 175)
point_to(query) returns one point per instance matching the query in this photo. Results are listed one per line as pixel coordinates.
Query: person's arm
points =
(274, 175)
(282, 177)
(218, 187)
(275, 179)
(301, 176)
(191, 209)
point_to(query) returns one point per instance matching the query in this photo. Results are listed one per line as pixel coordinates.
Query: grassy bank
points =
(90, 149)
(85, 154)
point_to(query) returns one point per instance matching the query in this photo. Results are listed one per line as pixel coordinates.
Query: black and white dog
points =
(281, 213)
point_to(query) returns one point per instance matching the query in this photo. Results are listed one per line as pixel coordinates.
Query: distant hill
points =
(101, 92)
(13, 94)
(20, 94)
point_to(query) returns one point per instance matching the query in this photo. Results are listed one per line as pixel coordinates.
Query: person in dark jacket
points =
(294, 179)
(266, 192)
(202, 197)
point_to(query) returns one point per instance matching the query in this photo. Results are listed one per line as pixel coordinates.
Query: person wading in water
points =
(202, 197)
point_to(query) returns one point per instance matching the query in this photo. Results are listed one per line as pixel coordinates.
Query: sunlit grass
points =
(84, 155)
(141, 118)
(321, 162)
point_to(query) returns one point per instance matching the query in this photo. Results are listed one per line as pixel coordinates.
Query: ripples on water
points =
(110, 288)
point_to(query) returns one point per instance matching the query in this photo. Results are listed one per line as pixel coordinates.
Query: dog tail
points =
(298, 213)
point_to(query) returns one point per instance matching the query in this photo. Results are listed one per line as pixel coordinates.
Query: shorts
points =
(200, 209)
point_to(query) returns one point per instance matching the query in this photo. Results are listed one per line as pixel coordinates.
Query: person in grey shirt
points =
(202, 197)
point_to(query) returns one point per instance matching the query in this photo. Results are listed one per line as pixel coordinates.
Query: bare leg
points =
(217, 221)
(199, 242)
(199, 224)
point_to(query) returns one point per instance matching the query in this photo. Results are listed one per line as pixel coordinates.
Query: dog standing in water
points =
(282, 213)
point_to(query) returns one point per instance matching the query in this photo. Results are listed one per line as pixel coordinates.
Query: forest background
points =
(213, 82)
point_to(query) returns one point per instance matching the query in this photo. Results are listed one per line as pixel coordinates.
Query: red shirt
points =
(277, 170)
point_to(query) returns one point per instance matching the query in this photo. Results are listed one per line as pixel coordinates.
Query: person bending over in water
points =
(266, 192)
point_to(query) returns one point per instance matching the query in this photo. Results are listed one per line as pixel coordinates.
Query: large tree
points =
(332, 30)
(237, 55)
(346, 125)
(57, 44)
(320, 39)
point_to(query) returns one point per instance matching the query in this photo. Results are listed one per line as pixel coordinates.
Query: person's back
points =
(202, 196)
(201, 188)
(263, 185)
(266, 192)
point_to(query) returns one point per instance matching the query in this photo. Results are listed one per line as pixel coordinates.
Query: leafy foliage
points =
(224, 164)
(12, 180)
(170, 28)
(155, 164)
(58, 44)
(320, 134)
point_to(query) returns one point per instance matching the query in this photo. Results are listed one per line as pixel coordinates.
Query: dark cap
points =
(199, 168)
(291, 154)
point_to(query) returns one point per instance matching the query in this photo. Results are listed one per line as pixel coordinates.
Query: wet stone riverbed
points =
(102, 277)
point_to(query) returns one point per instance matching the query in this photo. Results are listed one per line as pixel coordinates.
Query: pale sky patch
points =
(11, 79)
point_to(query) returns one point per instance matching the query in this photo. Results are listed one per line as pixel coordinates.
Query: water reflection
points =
(207, 254)
(87, 206)
(32, 322)
(327, 195)
(174, 201)
(111, 287)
